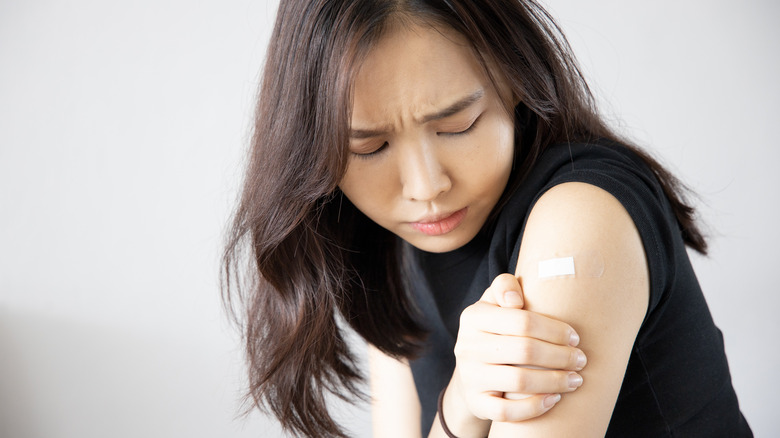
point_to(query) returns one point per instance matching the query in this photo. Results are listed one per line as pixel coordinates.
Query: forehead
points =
(415, 69)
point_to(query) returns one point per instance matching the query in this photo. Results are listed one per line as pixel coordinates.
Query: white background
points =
(122, 128)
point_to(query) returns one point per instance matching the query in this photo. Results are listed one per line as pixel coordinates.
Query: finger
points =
(507, 291)
(524, 380)
(518, 322)
(511, 350)
(504, 291)
(500, 409)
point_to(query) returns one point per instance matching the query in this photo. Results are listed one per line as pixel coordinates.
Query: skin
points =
(406, 167)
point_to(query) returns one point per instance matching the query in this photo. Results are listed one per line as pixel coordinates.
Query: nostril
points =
(426, 187)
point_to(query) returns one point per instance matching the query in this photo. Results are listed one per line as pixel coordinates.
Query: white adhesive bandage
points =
(556, 267)
(584, 264)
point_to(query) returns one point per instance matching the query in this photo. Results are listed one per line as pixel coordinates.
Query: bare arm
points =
(583, 221)
(395, 408)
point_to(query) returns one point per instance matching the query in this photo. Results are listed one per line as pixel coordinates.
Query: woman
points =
(435, 173)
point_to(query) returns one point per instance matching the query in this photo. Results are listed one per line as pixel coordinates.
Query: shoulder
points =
(607, 187)
(579, 214)
(590, 230)
(615, 168)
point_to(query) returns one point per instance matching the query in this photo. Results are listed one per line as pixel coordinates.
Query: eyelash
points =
(465, 131)
(368, 155)
(375, 152)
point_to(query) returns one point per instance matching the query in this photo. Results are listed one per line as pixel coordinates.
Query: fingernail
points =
(551, 400)
(581, 360)
(575, 380)
(574, 339)
(512, 298)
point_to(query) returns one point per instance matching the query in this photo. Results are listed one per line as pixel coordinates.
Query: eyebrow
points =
(455, 108)
(451, 110)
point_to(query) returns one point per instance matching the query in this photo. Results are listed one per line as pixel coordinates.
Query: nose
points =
(423, 175)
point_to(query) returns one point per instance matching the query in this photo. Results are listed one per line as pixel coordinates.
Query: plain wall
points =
(122, 130)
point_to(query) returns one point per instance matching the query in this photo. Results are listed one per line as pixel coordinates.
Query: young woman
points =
(434, 173)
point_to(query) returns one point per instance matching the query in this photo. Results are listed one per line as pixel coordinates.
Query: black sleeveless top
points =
(677, 382)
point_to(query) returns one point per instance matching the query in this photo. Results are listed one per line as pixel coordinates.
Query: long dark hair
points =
(299, 255)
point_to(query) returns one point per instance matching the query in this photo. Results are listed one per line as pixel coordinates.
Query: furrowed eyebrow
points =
(455, 108)
(451, 110)
(359, 134)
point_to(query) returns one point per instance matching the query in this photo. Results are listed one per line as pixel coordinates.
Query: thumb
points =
(512, 299)
(505, 291)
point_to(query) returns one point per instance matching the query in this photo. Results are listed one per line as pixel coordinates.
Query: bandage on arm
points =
(552, 265)
(582, 261)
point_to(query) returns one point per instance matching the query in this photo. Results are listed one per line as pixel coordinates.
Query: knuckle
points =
(466, 315)
(526, 352)
(463, 348)
(573, 355)
(459, 349)
(524, 323)
(505, 278)
(563, 380)
(521, 380)
(503, 282)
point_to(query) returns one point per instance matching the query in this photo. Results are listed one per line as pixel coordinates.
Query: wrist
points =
(454, 412)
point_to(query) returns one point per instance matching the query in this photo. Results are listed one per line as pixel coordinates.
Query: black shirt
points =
(677, 382)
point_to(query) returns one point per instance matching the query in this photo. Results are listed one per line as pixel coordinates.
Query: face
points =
(431, 144)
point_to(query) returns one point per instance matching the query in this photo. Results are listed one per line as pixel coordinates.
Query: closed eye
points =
(462, 132)
(366, 155)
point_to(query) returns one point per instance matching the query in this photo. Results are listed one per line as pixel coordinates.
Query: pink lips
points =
(441, 225)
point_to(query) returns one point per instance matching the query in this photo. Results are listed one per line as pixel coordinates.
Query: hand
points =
(497, 342)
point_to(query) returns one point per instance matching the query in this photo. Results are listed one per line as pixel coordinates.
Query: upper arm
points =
(395, 408)
(605, 306)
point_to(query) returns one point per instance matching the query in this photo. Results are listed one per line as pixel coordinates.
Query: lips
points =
(436, 226)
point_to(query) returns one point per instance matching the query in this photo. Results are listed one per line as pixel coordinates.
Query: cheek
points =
(364, 188)
(506, 152)
(351, 187)
(496, 154)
